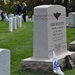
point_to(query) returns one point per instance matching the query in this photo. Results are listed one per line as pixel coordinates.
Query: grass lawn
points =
(20, 42)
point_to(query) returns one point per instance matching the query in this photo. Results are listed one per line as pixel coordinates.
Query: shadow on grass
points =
(30, 72)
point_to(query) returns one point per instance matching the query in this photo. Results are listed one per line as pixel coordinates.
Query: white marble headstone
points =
(16, 18)
(71, 21)
(10, 24)
(14, 23)
(27, 19)
(4, 62)
(49, 30)
(33, 18)
(19, 21)
(11, 15)
(30, 19)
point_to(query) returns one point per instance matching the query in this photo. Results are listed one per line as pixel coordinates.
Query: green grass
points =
(70, 35)
(20, 43)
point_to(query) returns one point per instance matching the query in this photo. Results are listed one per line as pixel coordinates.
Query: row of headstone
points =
(13, 21)
(70, 20)
(27, 18)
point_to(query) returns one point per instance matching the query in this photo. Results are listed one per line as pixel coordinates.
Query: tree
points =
(10, 7)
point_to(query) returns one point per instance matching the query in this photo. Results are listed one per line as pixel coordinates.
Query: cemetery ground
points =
(20, 43)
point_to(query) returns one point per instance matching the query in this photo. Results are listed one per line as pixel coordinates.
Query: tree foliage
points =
(10, 8)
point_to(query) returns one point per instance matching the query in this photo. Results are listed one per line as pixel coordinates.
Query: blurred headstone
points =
(4, 62)
(10, 24)
(14, 23)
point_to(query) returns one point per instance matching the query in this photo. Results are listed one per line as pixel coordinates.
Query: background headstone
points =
(4, 62)
(27, 19)
(67, 21)
(72, 46)
(19, 21)
(16, 18)
(33, 18)
(11, 15)
(0, 17)
(10, 24)
(71, 19)
(30, 19)
(14, 23)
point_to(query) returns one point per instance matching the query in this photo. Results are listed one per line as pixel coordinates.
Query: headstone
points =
(49, 36)
(14, 23)
(16, 17)
(11, 15)
(4, 62)
(49, 31)
(33, 18)
(71, 19)
(30, 19)
(6, 18)
(19, 21)
(10, 24)
(0, 17)
(72, 46)
(67, 21)
(21, 16)
(27, 19)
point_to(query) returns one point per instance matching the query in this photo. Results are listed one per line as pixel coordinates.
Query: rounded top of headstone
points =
(10, 18)
(49, 9)
(4, 50)
(19, 16)
(72, 12)
(47, 6)
(43, 6)
(72, 42)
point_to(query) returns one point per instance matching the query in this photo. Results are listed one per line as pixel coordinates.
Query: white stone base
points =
(39, 64)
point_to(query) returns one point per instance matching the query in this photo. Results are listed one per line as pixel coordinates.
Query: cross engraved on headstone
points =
(57, 15)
